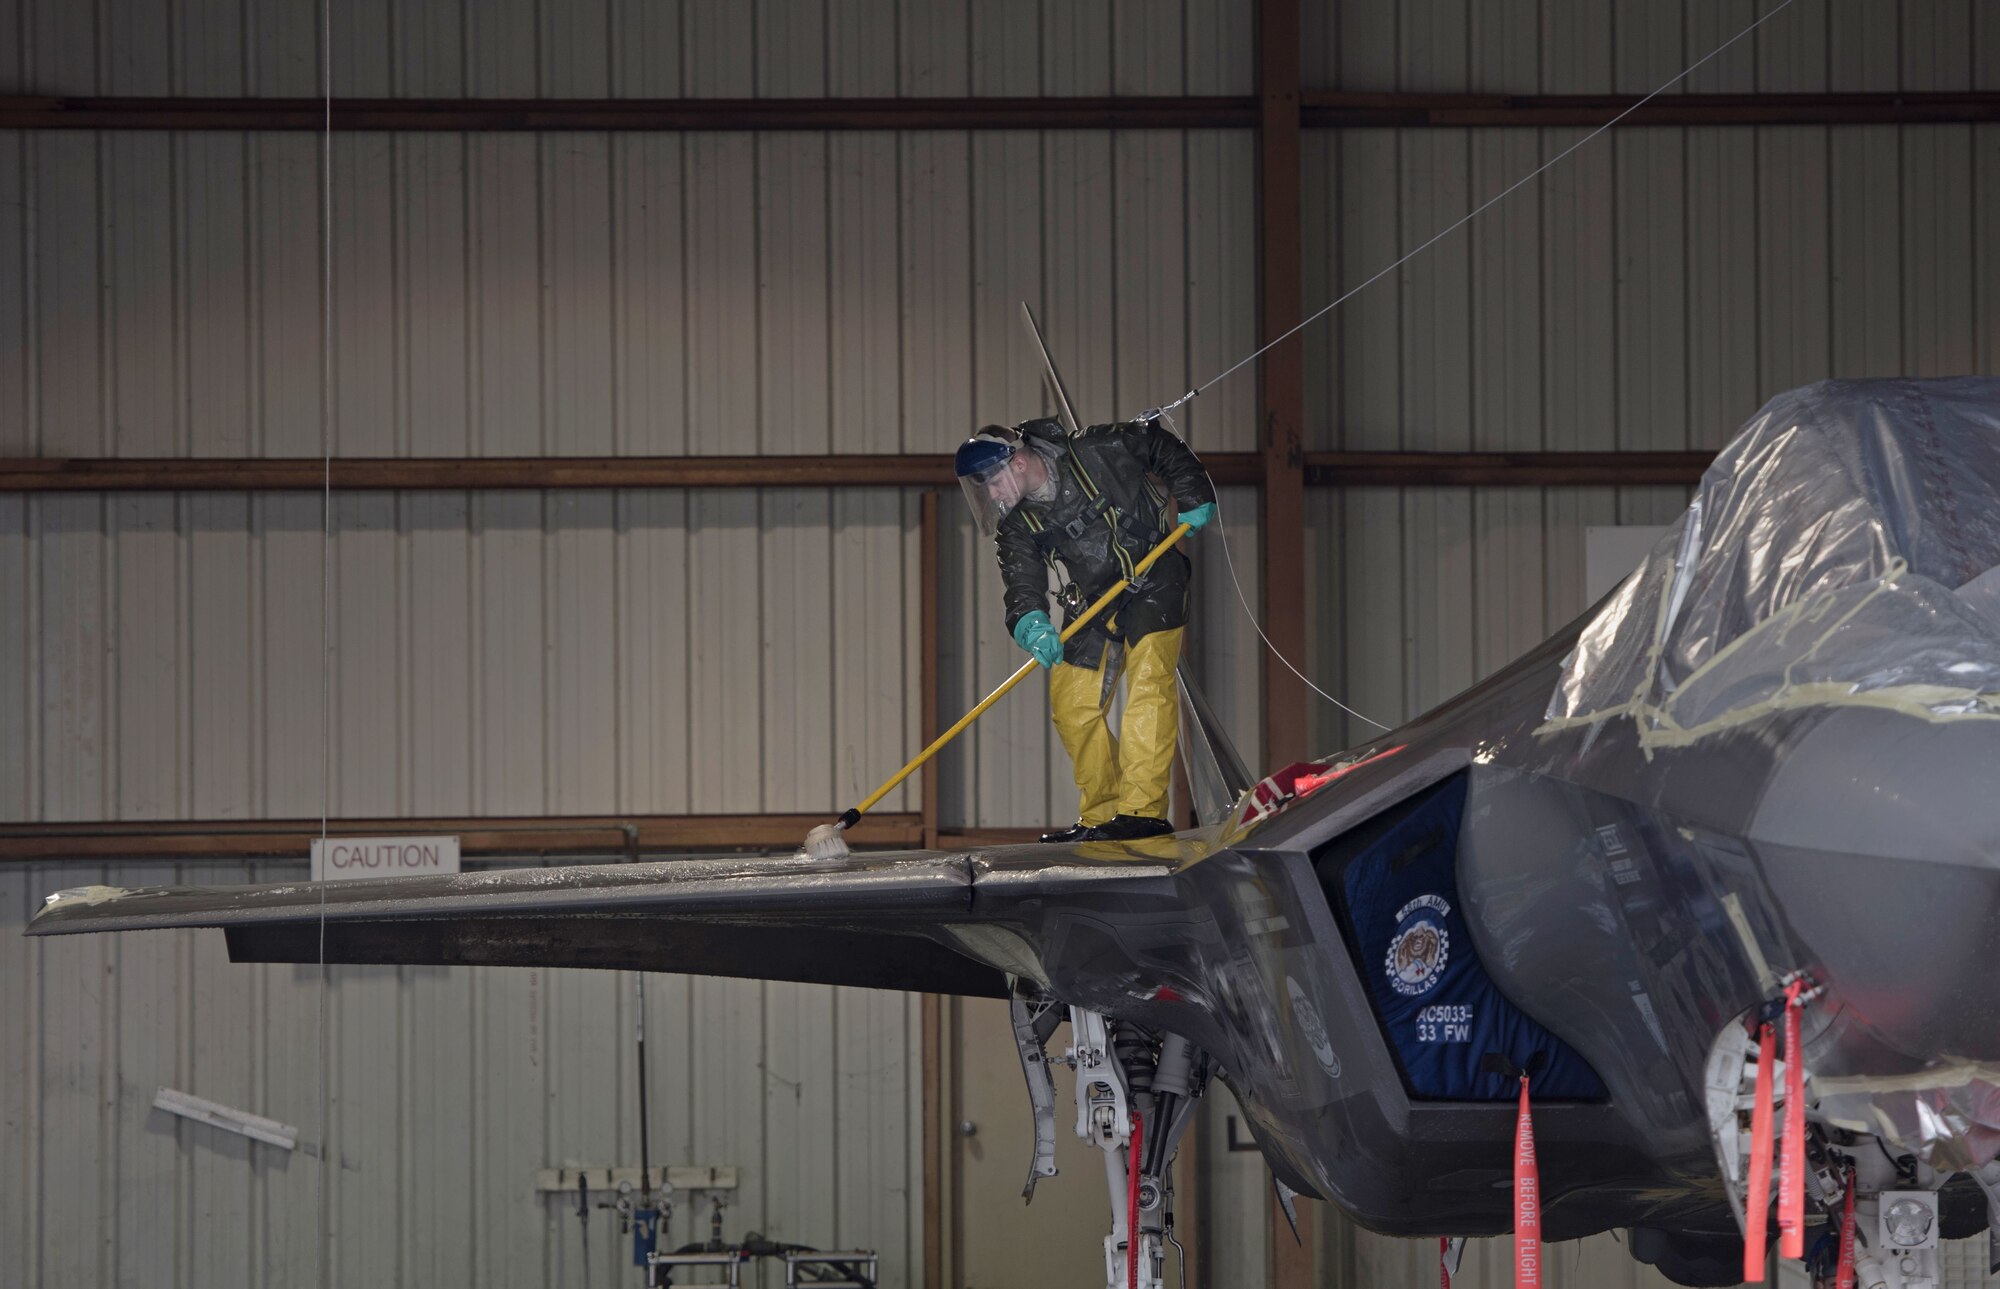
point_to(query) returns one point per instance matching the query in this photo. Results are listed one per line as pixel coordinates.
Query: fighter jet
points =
(1761, 768)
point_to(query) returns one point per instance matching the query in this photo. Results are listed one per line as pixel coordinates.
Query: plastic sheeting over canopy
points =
(1841, 549)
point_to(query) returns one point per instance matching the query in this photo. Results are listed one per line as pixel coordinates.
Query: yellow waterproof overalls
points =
(1129, 772)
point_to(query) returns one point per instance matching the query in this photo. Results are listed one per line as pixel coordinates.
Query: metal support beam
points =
(1519, 111)
(1315, 111)
(630, 837)
(654, 115)
(307, 474)
(1280, 445)
(1505, 469)
(1282, 371)
(483, 474)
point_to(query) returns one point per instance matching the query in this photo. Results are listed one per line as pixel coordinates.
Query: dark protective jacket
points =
(1108, 512)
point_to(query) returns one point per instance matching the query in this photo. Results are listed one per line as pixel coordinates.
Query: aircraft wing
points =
(882, 920)
(934, 921)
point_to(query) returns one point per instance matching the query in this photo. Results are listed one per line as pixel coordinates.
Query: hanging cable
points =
(1476, 212)
(325, 590)
(645, 1140)
(583, 1220)
(1222, 538)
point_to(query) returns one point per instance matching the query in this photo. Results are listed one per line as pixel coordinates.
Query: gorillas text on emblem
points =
(1421, 946)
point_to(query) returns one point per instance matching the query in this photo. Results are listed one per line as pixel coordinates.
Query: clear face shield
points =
(998, 469)
(993, 492)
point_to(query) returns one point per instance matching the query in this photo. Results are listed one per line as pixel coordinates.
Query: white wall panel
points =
(1722, 283)
(585, 294)
(283, 719)
(1416, 593)
(1224, 653)
(20, 775)
(635, 48)
(64, 317)
(1649, 292)
(1076, 264)
(1507, 256)
(1634, 46)
(286, 301)
(443, 1092)
(1149, 236)
(1795, 281)
(864, 359)
(19, 409)
(146, 757)
(1236, 1218)
(581, 570)
(369, 698)
(144, 371)
(800, 745)
(1221, 290)
(71, 1123)
(568, 653)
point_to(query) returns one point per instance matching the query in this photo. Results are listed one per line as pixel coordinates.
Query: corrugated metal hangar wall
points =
(741, 650)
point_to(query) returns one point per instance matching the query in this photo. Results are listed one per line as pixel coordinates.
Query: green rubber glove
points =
(1199, 516)
(1035, 633)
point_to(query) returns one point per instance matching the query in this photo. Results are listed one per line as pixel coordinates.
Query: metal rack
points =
(842, 1264)
(730, 1261)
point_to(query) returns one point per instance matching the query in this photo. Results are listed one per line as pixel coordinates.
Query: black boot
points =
(1078, 831)
(1129, 828)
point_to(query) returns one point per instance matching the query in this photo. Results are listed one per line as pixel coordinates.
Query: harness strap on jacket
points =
(1102, 506)
(1144, 526)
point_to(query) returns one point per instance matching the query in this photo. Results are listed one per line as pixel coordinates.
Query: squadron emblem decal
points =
(1314, 1028)
(1421, 946)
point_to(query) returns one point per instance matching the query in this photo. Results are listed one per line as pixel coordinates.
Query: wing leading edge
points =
(874, 920)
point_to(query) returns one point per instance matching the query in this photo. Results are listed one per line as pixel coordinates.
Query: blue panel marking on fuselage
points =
(1439, 1008)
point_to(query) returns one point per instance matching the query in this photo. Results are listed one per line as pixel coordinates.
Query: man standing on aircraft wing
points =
(1093, 504)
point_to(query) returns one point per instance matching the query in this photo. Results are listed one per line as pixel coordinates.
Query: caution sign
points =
(340, 859)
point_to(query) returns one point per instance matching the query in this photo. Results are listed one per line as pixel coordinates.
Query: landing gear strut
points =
(1136, 1093)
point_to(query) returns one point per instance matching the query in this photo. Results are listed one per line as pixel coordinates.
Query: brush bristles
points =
(824, 842)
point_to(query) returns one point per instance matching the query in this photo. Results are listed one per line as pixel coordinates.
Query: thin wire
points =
(1481, 209)
(325, 588)
(1166, 414)
(1244, 600)
(326, 441)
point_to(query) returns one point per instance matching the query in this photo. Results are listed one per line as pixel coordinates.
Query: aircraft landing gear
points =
(1136, 1094)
